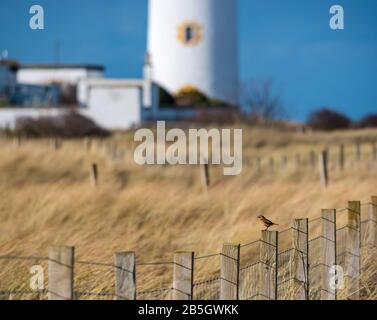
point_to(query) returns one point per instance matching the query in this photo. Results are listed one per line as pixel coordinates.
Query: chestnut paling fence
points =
(327, 258)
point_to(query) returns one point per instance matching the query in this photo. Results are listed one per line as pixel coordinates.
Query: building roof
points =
(13, 64)
(62, 66)
(106, 82)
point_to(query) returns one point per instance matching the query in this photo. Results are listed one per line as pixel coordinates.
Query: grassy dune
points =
(47, 199)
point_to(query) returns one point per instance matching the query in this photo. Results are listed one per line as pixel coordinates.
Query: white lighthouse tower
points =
(194, 43)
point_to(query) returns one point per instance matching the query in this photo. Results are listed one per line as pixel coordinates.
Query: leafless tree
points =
(260, 101)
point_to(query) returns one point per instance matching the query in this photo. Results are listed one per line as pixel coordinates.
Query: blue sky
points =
(287, 41)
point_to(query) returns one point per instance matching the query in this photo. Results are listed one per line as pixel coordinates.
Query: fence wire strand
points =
(249, 274)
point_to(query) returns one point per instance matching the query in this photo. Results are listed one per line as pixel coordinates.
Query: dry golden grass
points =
(47, 199)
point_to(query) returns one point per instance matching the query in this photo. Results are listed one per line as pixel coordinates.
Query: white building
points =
(42, 74)
(112, 104)
(191, 43)
(117, 104)
(194, 43)
(65, 76)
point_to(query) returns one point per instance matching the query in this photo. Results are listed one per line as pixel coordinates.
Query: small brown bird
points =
(267, 223)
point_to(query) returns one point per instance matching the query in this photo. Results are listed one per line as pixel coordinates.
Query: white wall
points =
(212, 64)
(115, 103)
(47, 75)
(118, 104)
(115, 108)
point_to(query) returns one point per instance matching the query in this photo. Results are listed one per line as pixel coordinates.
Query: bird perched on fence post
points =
(267, 223)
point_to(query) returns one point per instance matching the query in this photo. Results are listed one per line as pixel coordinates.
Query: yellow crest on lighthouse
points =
(190, 33)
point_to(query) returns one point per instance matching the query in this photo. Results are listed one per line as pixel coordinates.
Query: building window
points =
(190, 33)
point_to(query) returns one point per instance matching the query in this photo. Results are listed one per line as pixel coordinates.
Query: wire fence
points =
(148, 272)
(22, 268)
(157, 294)
(93, 281)
(248, 275)
(322, 256)
(328, 245)
(341, 158)
(208, 289)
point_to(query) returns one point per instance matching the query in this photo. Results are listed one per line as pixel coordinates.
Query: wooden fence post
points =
(94, 174)
(358, 152)
(298, 161)
(312, 158)
(259, 165)
(55, 144)
(300, 270)
(60, 273)
(268, 267)
(125, 276)
(88, 144)
(230, 272)
(323, 169)
(205, 175)
(374, 152)
(352, 253)
(341, 157)
(183, 277)
(17, 140)
(371, 227)
(272, 165)
(328, 253)
(284, 161)
(114, 152)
